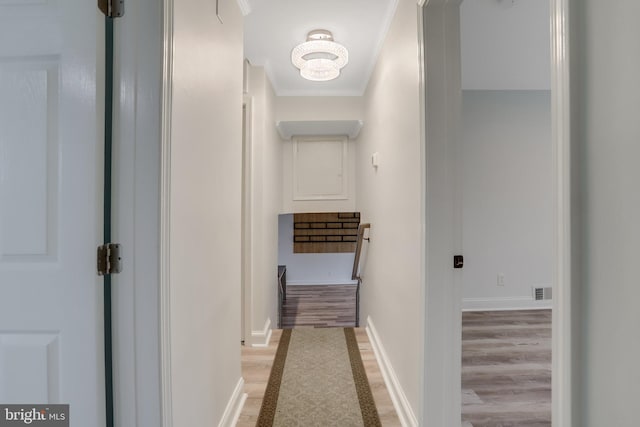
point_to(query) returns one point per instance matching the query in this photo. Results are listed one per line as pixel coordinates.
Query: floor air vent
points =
(540, 294)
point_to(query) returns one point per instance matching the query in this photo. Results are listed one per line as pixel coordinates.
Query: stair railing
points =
(282, 292)
(355, 273)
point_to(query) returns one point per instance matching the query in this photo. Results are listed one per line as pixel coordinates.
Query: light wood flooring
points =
(506, 368)
(319, 305)
(506, 360)
(256, 367)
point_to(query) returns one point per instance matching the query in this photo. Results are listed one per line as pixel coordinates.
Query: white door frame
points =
(247, 222)
(440, 106)
(561, 139)
(562, 314)
(136, 193)
(166, 398)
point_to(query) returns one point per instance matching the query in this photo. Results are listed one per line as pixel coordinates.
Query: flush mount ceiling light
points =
(319, 58)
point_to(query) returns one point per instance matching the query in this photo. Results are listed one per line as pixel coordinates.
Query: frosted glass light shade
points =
(319, 70)
(320, 59)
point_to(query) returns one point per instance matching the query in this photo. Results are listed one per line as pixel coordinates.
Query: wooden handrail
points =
(356, 259)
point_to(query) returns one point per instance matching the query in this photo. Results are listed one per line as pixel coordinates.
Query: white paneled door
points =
(51, 338)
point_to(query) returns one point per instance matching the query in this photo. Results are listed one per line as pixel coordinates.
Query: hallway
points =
(256, 366)
(203, 110)
(181, 78)
(313, 306)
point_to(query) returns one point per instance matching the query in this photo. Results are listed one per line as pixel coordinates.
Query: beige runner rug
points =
(318, 379)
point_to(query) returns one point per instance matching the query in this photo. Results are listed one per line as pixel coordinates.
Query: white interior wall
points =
(311, 269)
(305, 108)
(266, 201)
(605, 64)
(506, 178)
(389, 198)
(205, 212)
(505, 44)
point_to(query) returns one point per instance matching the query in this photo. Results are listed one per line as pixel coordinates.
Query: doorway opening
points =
(505, 178)
(316, 252)
(445, 107)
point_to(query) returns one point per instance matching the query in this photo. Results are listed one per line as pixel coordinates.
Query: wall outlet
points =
(500, 281)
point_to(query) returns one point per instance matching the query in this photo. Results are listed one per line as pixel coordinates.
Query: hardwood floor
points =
(506, 368)
(319, 305)
(322, 306)
(256, 366)
(506, 360)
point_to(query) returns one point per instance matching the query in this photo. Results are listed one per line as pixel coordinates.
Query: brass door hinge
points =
(111, 8)
(109, 259)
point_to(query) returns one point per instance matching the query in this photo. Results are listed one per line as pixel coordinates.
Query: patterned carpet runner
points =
(318, 379)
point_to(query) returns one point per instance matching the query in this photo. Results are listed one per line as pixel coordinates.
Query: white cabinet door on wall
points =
(320, 169)
(318, 174)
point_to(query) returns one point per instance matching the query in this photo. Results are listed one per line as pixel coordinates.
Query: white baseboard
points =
(319, 282)
(400, 401)
(504, 303)
(234, 407)
(262, 338)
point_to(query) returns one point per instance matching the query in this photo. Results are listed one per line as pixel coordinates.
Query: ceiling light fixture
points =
(319, 58)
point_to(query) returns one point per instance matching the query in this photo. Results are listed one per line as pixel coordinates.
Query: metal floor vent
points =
(540, 294)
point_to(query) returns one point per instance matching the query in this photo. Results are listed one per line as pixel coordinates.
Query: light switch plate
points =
(375, 160)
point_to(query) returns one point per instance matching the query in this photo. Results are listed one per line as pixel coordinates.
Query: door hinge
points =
(111, 8)
(109, 259)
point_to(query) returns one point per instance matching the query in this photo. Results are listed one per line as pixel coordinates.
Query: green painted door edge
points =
(108, 145)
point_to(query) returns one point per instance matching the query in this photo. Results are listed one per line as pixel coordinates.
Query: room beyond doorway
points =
(506, 368)
(317, 253)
